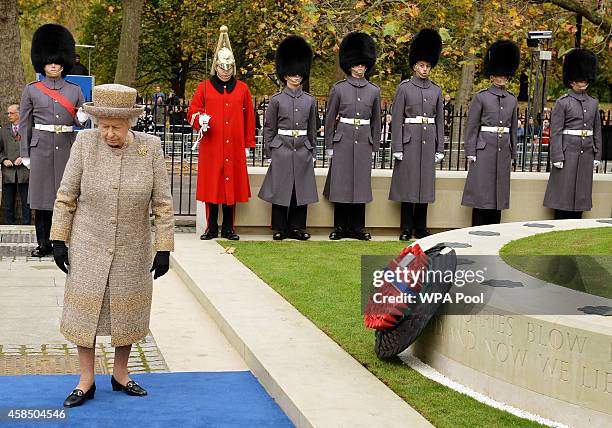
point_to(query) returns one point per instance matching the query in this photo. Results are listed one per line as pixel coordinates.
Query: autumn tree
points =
(11, 68)
(128, 45)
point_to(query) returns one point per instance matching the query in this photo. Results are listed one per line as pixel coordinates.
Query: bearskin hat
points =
(357, 48)
(52, 44)
(426, 46)
(293, 57)
(502, 59)
(579, 64)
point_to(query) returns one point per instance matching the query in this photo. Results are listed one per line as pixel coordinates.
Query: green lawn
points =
(322, 280)
(579, 259)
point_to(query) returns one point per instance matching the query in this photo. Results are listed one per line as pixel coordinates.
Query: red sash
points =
(58, 97)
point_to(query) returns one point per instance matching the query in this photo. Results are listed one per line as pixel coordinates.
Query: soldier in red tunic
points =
(222, 112)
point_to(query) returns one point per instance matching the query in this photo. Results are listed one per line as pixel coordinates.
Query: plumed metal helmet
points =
(357, 48)
(224, 57)
(502, 59)
(52, 44)
(293, 57)
(579, 64)
(425, 46)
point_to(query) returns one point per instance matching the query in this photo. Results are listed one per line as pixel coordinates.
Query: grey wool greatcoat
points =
(414, 177)
(102, 211)
(48, 151)
(9, 149)
(570, 188)
(488, 181)
(292, 157)
(350, 169)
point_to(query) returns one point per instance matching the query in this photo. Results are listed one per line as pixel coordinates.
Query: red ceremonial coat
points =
(222, 168)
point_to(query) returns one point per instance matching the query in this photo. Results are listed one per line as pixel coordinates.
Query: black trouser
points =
(10, 197)
(481, 216)
(564, 215)
(42, 222)
(293, 217)
(414, 216)
(350, 217)
(212, 216)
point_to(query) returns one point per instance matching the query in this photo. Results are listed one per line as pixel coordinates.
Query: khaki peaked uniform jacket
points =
(291, 164)
(571, 188)
(102, 211)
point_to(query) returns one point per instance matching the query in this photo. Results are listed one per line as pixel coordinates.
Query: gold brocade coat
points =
(102, 212)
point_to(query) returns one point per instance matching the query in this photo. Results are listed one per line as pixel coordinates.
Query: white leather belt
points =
(419, 119)
(357, 122)
(293, 132)
(498, 129)
(579, 132)
(53, 128)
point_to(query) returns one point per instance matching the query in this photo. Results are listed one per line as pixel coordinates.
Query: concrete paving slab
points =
(186, 335)
(314, 381)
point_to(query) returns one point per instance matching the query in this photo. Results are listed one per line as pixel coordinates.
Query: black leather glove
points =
(161, 263)
(60, 255)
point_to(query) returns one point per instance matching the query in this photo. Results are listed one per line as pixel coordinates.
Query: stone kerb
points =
(556, 366)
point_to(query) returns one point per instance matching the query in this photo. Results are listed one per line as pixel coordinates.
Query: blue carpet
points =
(215, 399)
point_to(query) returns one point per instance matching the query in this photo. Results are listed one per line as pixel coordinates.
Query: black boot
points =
(337, 234)
(405, 236)
(211, 233)
(229, 234)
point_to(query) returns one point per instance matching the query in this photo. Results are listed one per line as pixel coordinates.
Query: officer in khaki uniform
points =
(46, 124)
(417, 135)
(490, 137)
(290, 136)
(352, 135)
(575, 139)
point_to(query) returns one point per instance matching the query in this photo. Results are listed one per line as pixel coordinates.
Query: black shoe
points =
(421, 233)
(361, 235)
(78, 397)
(278, 236)
(405, 236)
(209, 234)
(229, 234)
(337, 234)
(131, 388)
(42, 251)
(299, 235)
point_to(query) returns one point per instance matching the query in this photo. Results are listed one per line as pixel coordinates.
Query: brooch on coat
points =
(142, 150)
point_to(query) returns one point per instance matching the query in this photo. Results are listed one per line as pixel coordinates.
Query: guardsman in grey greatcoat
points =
(417, 135)
(48, 112)
(490, 137)
(352, 135)
(575, 139)
(290, 129)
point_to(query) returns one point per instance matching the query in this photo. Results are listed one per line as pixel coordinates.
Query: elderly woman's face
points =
(114, 130)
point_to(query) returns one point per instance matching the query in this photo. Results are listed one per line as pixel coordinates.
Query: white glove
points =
(330, 153)
(247, 152)
(81, 115)
(398, 155)
(472, 159)
(558, 165)
(596, 163)
(439, 157)
(26, 162)
(203, 120)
